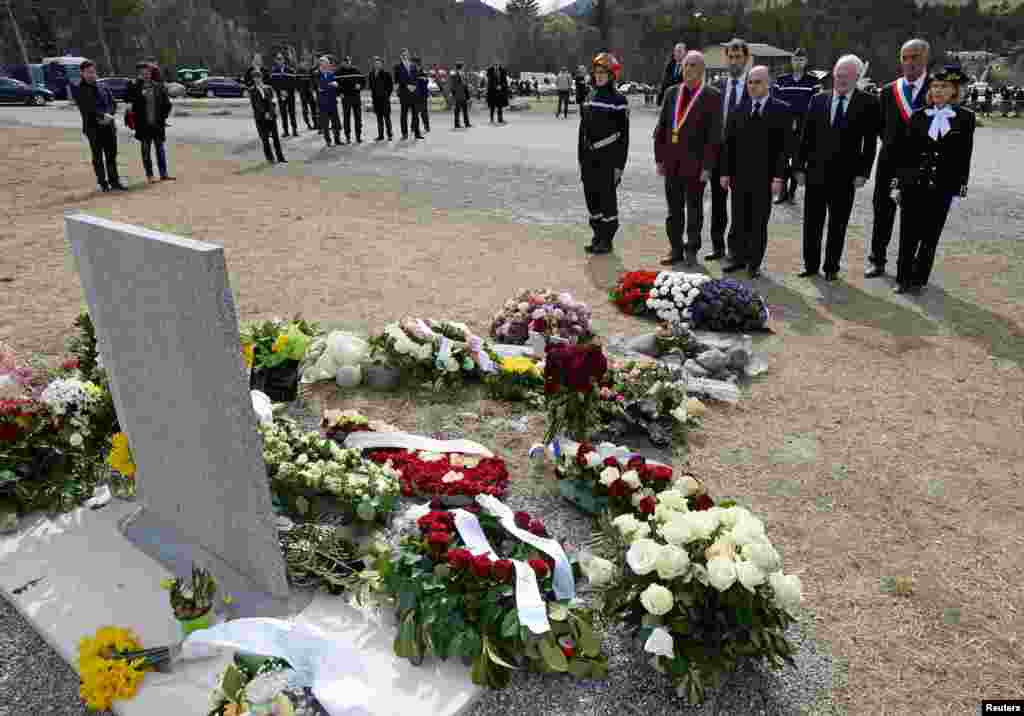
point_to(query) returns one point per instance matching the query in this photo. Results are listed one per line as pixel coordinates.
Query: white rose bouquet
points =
(443, 352)
(703, 588)
(304, 465)
(674, 293)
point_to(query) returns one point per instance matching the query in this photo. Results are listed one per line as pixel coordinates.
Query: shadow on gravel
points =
(856, 306)
(604, 271)
(792, 308)
(1000, 336)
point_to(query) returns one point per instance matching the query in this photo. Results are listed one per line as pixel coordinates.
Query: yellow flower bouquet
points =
(112, 665)
(518, 378)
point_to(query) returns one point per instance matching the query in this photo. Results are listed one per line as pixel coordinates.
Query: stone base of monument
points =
(71, 574)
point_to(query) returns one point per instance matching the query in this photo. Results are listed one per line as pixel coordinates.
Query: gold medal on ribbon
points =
(675, 136)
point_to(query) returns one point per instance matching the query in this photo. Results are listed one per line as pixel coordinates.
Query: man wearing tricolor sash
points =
(687, 140)
(899, 100)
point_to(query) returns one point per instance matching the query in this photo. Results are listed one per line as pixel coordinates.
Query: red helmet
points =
(609, 62)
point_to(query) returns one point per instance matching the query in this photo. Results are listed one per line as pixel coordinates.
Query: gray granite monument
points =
(167, 334)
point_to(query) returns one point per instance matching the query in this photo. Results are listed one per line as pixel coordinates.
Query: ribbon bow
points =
(940, 121)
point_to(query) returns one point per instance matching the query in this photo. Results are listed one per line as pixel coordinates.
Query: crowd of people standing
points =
(750, 140)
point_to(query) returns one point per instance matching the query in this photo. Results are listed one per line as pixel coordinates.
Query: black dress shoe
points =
(732, 268)
(104, 188)
(118, 186)
(379, 139)
(282, 160)
(807, 273)
(671, 259)
(714, 256)
(405, 137)
(831, 276)
(603, 247)
(874, 272)
(419, 136)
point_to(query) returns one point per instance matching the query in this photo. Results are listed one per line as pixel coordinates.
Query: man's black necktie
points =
(837, 122)
(757, 110)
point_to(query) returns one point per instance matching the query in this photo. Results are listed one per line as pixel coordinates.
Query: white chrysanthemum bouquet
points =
(673, 293)
(703, 589)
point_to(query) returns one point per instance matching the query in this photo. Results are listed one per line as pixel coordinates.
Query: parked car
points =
(216, 87)
(14, 91)
(118, 86)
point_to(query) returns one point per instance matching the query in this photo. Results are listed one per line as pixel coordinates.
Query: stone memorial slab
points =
(167, 333)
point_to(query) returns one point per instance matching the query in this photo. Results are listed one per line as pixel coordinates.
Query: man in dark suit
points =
(734, 99)
(98, 108)
(459, 92)
(835, 157)
(405, 81)
(422, 93)
(350, 82)
(753, 167)
(381, 85)
(307, 93)
(673, 70)
(687, 140)
(264, 114)
(327, 86)
(897, 102)
(283, 79)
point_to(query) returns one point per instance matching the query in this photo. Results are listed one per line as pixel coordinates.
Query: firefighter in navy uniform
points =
(796, 90)
(603, 147)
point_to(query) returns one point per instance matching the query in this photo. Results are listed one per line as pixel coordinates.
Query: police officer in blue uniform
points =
(603, 148)
(796, 90)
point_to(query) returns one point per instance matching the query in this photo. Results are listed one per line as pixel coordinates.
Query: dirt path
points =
(884, 443)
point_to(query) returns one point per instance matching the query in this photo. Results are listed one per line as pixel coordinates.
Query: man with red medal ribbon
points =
(898, 100)
(687, 140)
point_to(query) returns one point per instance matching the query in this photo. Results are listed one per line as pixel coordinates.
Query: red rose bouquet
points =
(572, 377)
(446, 475)
(453, 603)
(632, 291)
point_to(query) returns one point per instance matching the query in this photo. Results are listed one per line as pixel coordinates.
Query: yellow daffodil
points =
(120, 457)
(249, 354)
(105, 679)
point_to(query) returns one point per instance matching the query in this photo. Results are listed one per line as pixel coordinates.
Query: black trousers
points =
(330, 123)
(409, 108)
(463, 108)
(920, 237)
(423, 109)
(685, 199)
(353, 106)
(835, 200)
(499, 109)
(885, 213)
(310, 109)
(563, 103)
(382, 108)
(103, 145)
(601, 194)
(268, 131)
(794, 142)
(286, 103)
(720, 215)
(751, 209)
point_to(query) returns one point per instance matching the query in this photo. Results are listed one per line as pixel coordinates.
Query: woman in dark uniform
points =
(603, 147)
(935, 165)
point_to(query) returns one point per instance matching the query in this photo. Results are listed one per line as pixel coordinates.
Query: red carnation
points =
(8, 432)
(636, 462)
(481, 566)
(439, 540)
(581, 453)
(537, 528)
(656, 473)
(504, 570)
(619, 488)
(522, 520)
(459, 558)
(540, 567)
(702, 502)
(648, 504)
(611, 462)
(70, 364)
